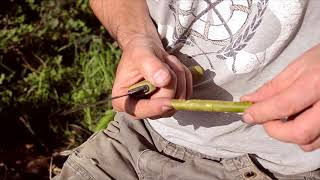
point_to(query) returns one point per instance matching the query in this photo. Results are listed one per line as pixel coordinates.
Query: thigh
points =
(111, 153)
(129, 150)
(126, 150)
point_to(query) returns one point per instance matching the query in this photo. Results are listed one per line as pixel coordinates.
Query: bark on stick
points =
(210, 105)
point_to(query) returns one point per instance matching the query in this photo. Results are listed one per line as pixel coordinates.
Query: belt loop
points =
(245, 167)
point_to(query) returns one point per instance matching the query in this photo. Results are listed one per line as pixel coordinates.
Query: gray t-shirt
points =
(241, 44)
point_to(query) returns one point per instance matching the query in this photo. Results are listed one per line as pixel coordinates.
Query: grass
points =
(54, 56)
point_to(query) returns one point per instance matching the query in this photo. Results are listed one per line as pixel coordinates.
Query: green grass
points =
(55, 56)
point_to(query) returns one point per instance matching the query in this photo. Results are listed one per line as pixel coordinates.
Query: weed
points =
(54, 55)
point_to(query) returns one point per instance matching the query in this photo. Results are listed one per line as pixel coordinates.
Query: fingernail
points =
(160, 77)
(166, 108)
(247, 118)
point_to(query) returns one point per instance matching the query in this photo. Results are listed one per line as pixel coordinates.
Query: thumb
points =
(154, 71)
(268, 90)
(276, 85)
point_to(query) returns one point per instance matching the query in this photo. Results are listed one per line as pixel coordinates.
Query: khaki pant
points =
(130, 149)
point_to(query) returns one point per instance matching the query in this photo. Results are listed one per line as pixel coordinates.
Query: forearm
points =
(125, 19)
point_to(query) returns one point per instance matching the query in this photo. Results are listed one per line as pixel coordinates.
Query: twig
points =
(50, 167)
(6, 67)
(28, 126)
(40, 60)
(210, 105)
(80, 128)
(28, 66)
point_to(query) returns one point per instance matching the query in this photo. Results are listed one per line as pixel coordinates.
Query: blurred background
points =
(54, 56)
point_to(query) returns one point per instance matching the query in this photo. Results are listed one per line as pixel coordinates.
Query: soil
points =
(24, 154)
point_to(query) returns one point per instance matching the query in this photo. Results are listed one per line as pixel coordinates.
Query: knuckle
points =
(188, 73)
(286, 107)
(290, 110)
(303, 139)
(307, 148)
(180, 72)
(180, 69)
(302, 136)
(174, 78)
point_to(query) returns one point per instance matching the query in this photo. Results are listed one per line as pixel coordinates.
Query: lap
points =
(128, 149)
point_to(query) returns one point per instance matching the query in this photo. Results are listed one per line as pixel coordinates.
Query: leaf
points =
(2, 78)
(104, 121)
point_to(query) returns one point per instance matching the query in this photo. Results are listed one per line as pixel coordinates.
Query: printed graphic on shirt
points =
(228, 26)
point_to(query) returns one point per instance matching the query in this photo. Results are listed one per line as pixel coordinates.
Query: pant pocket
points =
(156, 166)
(80, 167)
(153, 165)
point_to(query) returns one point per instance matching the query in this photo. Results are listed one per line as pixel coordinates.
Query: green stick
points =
(209, 105)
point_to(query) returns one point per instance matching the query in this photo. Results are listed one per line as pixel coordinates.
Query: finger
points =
(154, 70)
(120, 87)
(169, 91)
(147, 108)
(276, 85)
(179, 69)
(303, 130)
(166, 114)
(311, 147)
(290, 101)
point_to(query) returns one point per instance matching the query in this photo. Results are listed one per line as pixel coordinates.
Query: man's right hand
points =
(144, 58)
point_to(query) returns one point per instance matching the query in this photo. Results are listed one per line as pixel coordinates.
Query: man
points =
(243, 45)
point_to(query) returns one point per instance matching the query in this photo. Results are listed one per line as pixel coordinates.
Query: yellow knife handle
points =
(197, 72)
(145, 88)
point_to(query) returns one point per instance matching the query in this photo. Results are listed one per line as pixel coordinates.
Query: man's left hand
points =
(288, 106)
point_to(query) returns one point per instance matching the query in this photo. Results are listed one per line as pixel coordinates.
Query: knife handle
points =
(145, 88)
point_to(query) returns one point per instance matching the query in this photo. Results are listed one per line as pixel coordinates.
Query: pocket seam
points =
(138, 160)
(78, 168)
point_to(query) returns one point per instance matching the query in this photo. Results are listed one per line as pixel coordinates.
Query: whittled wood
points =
(210, 105)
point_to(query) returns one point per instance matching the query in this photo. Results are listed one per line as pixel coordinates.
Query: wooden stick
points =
(210, 105)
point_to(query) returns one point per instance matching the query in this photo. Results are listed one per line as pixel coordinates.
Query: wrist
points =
(141, 40)
(125, 37)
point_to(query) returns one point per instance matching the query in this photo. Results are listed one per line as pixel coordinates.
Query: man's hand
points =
(289, 105)
(144, 58)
